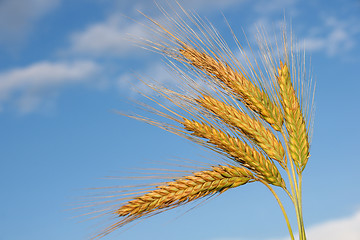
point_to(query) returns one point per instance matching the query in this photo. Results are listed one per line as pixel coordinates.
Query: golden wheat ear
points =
(248, 126)
(238, 150)
(187, 189)
(298, 138)
(251, 95)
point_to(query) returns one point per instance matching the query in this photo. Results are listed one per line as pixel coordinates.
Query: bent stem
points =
(281, 206)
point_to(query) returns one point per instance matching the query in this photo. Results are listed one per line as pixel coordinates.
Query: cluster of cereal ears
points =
(234, 115)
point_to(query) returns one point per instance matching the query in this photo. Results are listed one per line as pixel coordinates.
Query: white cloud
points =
(199, 5)
(28, 87)
(343, 228)
(156, 72)
(109, 37)
(211, 4)
(331, 36)
(268, 6)
(335, 37)
(18, 16)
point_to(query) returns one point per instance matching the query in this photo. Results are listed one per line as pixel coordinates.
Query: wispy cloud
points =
(327, 32)
(343, 228)
(199, 5)
(17, 17)
(111, 36)
(156, 72)
(269, 6)
(108, 37)
(211, 4)
(30, 86)
(334, 37)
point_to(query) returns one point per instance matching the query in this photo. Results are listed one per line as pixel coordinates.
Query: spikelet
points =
(294, 120)
(249, 126)
(253, 97)
(186, 189)
(240, 151)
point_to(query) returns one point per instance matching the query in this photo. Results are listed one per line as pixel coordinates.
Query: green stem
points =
(300, 208)
(292, 181)
(281, 206)
(294, 199)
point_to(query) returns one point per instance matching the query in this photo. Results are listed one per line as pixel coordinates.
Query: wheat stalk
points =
(231, 113)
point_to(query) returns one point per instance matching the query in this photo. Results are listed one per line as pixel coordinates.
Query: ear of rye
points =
(238, 150)
(250, 127)
(254, 98)
(294, 120)
(186, 189)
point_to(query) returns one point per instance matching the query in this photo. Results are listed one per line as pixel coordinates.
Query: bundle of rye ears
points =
(256, 113)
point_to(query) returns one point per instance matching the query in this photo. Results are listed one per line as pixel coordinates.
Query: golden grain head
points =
(236, 83)
(237, 150)
(186, 189)
(294, 120)
(250, 127)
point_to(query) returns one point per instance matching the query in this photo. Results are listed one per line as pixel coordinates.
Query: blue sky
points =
(66, 65)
